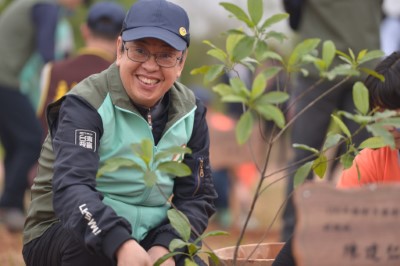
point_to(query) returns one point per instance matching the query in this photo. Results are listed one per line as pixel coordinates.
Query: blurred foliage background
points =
(208, 20)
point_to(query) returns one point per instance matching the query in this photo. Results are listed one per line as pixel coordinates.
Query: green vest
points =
(124, 190)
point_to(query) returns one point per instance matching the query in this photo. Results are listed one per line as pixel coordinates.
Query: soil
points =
(11, 243)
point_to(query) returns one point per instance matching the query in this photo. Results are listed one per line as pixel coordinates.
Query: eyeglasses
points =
(141, 55)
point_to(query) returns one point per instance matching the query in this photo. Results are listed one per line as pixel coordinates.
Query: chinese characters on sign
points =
(359, 227)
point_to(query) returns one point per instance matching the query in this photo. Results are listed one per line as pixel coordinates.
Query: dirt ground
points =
(11, 244)
(265, 211)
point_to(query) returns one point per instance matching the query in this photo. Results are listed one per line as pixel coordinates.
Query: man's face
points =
(147, 82)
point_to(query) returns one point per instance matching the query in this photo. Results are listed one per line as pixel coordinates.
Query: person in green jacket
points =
(80, 216)
(27, 28)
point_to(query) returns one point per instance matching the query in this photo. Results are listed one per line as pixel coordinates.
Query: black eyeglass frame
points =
(149, 55)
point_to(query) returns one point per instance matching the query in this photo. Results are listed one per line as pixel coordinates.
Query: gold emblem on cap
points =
(182, 31)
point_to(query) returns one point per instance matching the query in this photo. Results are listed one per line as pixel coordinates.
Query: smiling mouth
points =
(148, 81)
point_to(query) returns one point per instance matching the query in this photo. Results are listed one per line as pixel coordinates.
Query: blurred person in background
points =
(100, 33)
(26, 26)
(335, 21)
(370, 166)
(390, 27)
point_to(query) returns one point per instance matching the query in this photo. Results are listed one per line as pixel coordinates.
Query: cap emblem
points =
(182, 31)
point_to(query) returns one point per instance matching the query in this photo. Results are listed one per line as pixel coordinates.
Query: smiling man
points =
(78, 219)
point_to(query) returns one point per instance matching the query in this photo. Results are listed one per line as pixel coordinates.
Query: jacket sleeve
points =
(45, 18)
(76, 129)
(194, 195)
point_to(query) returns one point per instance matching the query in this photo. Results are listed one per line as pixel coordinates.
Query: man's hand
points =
(157, 252)
(131, 253)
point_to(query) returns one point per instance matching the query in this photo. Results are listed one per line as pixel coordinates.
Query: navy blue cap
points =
(158, 19)
(106, 18)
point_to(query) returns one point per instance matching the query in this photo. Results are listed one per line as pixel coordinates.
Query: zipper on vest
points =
(149, 121)
(199, 175)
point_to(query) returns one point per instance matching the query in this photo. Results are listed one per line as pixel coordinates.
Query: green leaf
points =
(223, 89)
(166, 257)
(278, 36)
(213, 73)
(200, 70)
(209, 43)
(238, 13)
(320, 165)
(372, 73)
(273, 97)
(378, 130)
(305, 147)
(362, 119)
(332, 140)
(234, 99)
(361, 97)
(361, 54)
(239, 88)
(352, 56)
(213, 257)
(231, 42)
(193, 249)
(211, 233)
(172, 151)
(219, 54)
(150, 178)
(144, 150)
(328, 53)
(341, 125)
(271, 72)
(303, 48)
(114, 164)
(261, 50)
(174, 168)
(271, 112)
(302, 173)
(180, 223)
(265, 54)
(177, 243)
(189, 262)
(345, 70)
(255, 8)
(243, 48)
(346, 160)
(374, 54)
(259, 85)
(244, 127)
(373, 143)
(344, 57)
(273, 19)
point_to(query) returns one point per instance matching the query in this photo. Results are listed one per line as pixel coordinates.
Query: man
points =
(26, 27)
(78, 219)
(335, 21)
(100, 32)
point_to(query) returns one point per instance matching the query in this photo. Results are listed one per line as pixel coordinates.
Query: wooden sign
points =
(347, 227)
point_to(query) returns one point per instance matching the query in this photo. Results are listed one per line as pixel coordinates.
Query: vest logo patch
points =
(86, 139)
